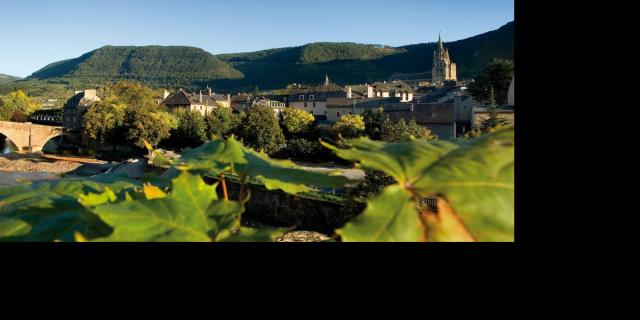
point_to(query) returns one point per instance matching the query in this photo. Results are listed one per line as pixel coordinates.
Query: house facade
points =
(75, 108)
(203, 103)
(313, 99)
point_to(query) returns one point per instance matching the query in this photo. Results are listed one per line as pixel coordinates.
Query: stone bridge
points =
(28, 136)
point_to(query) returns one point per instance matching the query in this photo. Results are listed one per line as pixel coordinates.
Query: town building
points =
(313, 98)
(75, 108)
(276, 106)
(443, 69)
(439, 118)
(241, 102)
(394, 89)
(203, 103)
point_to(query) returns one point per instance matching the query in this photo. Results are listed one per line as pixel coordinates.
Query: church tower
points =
(443, 69)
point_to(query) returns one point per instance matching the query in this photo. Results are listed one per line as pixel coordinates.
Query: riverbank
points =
(35, 162)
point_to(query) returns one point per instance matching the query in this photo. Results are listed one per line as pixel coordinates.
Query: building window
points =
(338, 114)
(305, 105)
(314, 104)
(311, 97)
(302, 97)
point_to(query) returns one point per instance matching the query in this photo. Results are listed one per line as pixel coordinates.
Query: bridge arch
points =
(28, 136)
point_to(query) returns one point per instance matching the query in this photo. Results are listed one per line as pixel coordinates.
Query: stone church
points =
(443, 69)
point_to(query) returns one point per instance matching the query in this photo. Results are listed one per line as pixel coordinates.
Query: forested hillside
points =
(189, 67)
(154, 65)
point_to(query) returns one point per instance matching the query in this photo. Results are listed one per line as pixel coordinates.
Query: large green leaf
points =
(50, 211)
(220, 156)
(190, 212)
(389, 217)
(475, 177)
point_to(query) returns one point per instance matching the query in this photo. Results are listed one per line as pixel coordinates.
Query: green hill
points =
(6, 78)
(154, 65)
(357, 63)
(270, 69)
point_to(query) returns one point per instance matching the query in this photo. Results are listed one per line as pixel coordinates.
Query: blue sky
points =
(35, 33)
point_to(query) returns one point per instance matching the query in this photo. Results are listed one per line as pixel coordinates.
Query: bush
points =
(373, 121)
(260, 130)
(297, 122)
(349, 126)
(305, 149)
(403, 131)
(18, 116)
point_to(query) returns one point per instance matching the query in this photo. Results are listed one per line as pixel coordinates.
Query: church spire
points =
(326, 80)
(440, 44)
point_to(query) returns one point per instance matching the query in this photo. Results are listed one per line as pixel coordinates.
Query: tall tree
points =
(150, 125)
(260, 130)
(104, 122)
(19, 101)
(498, 75)
(190, 132)
(493, 120)
(373, 121)
(221, 123)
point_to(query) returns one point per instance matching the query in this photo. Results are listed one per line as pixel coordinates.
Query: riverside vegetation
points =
(472, 179)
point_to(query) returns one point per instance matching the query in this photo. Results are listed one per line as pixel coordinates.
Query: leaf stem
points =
(224, 187)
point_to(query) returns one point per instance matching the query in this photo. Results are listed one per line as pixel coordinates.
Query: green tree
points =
(19, 101)
(493, 120)
(349, 126)
(403, 131)
(498, 75)
(222, 122)
(104, 122)
(373, 121)
(131, 94)
(260, 130)
(296, 121)
(150, 125)
(191, 130)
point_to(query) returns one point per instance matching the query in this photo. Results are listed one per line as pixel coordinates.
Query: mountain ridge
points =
(344, 62)
(5, 78)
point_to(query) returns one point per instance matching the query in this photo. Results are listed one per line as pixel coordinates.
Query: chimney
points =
(200, 96)
(349, 93)
(209, 91)
(369, 91)
(165, 94)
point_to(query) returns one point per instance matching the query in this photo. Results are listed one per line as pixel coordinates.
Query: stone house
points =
(203, 103)
(437, 117)
(313, 99)
(75, 108)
